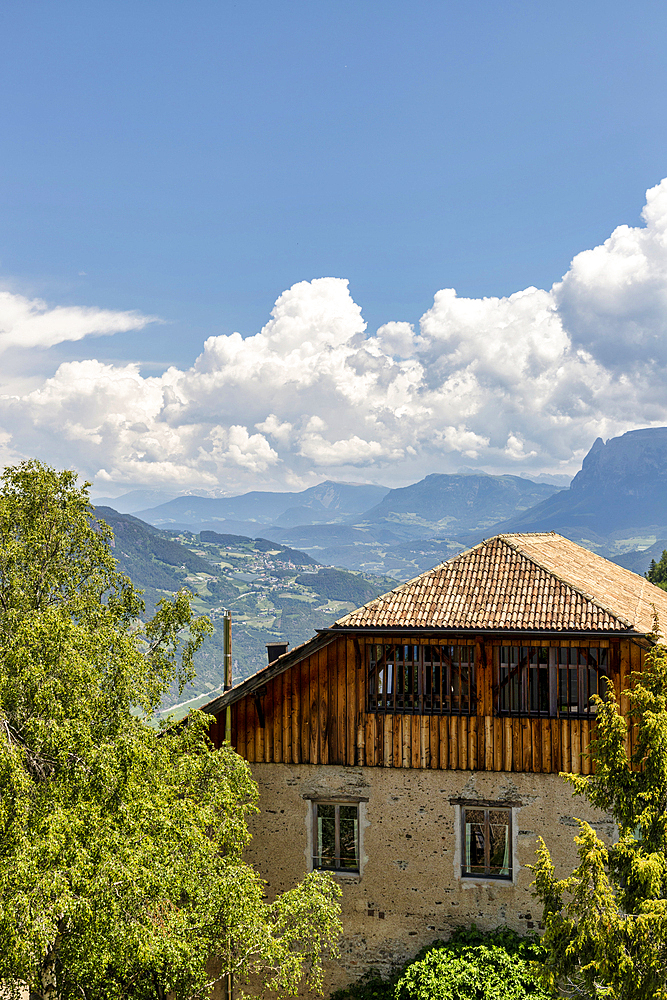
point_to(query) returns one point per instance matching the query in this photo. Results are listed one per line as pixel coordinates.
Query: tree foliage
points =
(606, 924)
(121, 871)
(657, 571)
(339, 585)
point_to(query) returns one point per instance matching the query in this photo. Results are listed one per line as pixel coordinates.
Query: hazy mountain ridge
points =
(130, 503)
(362, 527)
(461, 502)
(456, 503)
(267, 507)
(617, 501)
(417, 526)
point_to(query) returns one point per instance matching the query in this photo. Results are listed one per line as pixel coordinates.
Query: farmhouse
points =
(413, 748)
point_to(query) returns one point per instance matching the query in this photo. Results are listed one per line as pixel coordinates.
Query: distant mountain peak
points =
(621, 490)
(627, 460)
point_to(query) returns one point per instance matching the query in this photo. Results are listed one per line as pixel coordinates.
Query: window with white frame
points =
(336, 836)
(486, 841)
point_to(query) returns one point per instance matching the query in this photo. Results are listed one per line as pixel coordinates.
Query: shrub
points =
(475, 966)
(371, 986)
(470, 966)
(657, 571)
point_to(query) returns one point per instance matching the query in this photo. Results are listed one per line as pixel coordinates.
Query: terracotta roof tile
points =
(529, 581)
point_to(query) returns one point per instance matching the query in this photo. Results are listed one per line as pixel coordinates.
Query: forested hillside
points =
(275, 593)
(150, 557)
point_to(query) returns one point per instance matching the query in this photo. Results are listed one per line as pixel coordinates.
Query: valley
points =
(287, 564)
(275, 593)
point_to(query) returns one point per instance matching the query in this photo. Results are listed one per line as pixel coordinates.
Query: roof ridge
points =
(567, 583)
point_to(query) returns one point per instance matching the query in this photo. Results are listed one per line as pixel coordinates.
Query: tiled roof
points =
(529, 581)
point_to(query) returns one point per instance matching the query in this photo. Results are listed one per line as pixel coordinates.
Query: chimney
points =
(276, 649)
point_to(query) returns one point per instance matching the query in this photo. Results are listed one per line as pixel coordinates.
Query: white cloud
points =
(29, 323)
(281, 431)
(352, 451)
(613, 300)
(396, 339)
(238, 448)
(522, 383)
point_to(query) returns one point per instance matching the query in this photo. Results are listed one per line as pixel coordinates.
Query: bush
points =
(470, 966)
(657, 571)
(475, 966)
(371, 986)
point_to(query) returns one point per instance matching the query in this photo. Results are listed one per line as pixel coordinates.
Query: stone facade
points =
(409, 891)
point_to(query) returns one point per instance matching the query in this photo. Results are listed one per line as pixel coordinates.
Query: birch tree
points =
(121, 871)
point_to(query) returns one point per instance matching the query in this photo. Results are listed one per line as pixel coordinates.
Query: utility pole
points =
(227, 981)
(227, 667)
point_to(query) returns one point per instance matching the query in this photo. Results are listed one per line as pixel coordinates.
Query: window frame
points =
(425, 675)
(316, 856)
(487, 808)
(516, 701)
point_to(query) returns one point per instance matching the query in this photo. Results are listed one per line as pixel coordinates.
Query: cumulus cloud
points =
(613, 300)
(522, 383)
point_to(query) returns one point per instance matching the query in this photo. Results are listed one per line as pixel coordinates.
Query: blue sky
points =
(192, 162)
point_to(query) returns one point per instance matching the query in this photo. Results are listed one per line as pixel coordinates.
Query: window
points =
(486, 841)
(336, 836)
(550, 681)
(430, 680)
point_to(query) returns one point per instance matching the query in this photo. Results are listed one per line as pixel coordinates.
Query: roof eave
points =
(256, 681)
(251, 684)
(480, 630)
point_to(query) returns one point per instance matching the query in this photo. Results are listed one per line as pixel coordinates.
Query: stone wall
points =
(410, 891)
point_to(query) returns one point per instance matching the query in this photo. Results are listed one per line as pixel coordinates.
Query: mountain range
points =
(302, 558)
(615, 504)
(362, 527)
(325, 502)
(455, 503)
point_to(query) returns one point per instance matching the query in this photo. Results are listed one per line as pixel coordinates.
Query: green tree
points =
(121, 872)
(606, 924)
(657, 571)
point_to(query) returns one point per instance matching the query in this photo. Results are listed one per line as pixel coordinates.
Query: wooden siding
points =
(315, 713)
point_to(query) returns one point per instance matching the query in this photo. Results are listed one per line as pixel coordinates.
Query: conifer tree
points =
(606, 923)
(657, 571)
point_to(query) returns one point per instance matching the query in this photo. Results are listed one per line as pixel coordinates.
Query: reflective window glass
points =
(336, 836)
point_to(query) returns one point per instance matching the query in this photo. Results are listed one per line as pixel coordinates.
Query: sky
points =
(257, 245)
